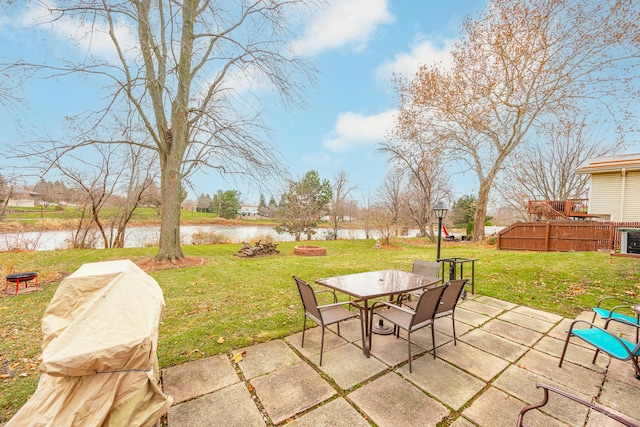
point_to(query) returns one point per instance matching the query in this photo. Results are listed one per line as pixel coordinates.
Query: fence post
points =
(611, 236)
(546, 237)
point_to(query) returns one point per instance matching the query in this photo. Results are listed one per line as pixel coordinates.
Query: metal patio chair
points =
(426, 268)
(448, 303)
(547, 388)
(605, 341)
(616, 313)
(324, 315)
(412, 320)
(423, 268)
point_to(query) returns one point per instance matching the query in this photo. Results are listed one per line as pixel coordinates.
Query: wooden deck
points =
(570, 209)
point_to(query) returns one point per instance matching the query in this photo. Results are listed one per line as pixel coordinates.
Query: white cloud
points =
(424, 52)
(343, 22)
(89, 37)
(353, 130)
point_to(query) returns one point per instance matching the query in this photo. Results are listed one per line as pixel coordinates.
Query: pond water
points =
(149, 236)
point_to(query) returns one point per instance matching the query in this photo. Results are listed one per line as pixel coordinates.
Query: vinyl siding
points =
(632, 197)
(605, 195)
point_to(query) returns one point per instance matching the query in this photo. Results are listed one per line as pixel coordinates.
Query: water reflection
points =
(149, 236)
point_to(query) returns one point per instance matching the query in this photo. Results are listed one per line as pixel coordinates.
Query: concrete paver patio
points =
(503, 350)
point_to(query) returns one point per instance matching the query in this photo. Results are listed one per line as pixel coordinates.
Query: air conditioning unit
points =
(630, 240)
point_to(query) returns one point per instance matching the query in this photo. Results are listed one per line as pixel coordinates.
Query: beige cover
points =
(99, 365)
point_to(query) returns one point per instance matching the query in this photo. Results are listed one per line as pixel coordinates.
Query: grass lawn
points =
(245, 301)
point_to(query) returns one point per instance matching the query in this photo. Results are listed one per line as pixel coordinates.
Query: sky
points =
(356, 46)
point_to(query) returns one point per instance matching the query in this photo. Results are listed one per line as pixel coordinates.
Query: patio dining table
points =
(376, 284)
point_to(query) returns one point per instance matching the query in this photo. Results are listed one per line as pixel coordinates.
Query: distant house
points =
(22, 198)
(188, 205)
(248, 210)
(615, 186)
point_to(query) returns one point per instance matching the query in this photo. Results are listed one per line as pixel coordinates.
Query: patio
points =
(503, 351)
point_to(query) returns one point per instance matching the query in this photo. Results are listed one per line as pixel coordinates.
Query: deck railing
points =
(558, 209)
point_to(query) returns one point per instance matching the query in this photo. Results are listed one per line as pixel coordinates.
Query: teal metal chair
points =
(617, 312)
(605, 341)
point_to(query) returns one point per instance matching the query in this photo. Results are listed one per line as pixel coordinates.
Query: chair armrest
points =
(604, 299)
(546, 388)
(390, 304)
(335, 297)
(635, 309)
(336, 304)
(621, 320)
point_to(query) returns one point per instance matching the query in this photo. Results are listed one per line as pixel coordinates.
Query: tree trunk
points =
(481, 210)
(172, 196)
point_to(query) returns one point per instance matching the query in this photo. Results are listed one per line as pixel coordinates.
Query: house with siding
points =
(614, 192)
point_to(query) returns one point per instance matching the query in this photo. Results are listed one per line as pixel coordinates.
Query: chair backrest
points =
(451, 295)
(426, 268)
(428, 304)
(308, 297)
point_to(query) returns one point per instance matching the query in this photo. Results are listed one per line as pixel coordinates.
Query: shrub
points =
(210, 237)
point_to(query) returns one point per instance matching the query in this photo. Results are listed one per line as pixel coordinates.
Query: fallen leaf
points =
(220, 340)
(238, 357)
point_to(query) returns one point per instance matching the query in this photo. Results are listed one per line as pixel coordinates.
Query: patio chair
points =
(426, 268)
(323, 315)
(605, 341)
(546, 388)
(616, 313)
(448, 302)
(412, 320)
(423, 268)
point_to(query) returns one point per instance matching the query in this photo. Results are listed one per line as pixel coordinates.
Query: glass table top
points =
(373, 284)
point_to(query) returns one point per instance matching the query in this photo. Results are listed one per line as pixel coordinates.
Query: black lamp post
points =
(440, 212)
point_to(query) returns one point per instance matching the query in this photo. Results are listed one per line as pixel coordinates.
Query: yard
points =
(228, 302)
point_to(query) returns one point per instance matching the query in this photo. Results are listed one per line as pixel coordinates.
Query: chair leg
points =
(634, 361)
(453, 323)
(338, 326)
(409, 346)
(433, 340)
(564, 350)
(304, 327)
(362, 329)
(595, 356)
(321, 345)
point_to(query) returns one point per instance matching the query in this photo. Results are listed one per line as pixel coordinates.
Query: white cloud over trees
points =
(343, 23)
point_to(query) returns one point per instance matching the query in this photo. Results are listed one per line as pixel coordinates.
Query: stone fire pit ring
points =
(310, 250)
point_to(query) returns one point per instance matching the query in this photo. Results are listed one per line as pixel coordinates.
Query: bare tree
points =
(365, 214)
(548, 173)
(339, 202)
(136, 189)
(7, 186)
(388, 210)
(177, 83)
(105, 177)
(427, 182)
(519, 65)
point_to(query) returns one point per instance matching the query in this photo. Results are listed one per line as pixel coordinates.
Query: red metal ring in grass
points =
(310, 250)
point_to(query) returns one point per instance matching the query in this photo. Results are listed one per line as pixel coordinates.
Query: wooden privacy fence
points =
(563, 236)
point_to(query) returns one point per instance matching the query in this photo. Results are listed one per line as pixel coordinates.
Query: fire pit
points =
(310, 250)
(18, 278)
